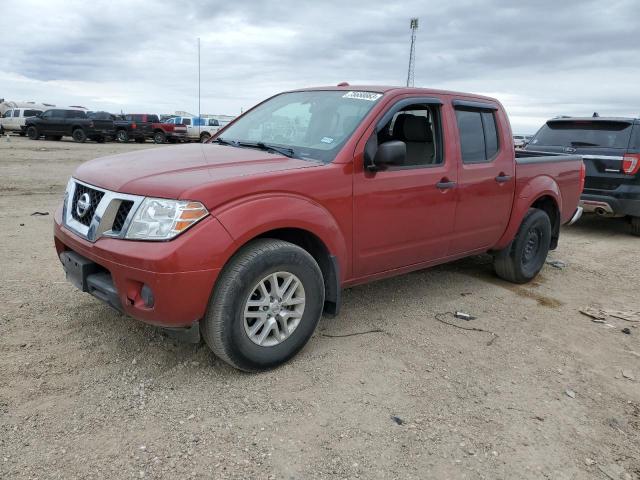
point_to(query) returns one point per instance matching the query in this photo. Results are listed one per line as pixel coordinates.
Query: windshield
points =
(584, 134)
(313, 124)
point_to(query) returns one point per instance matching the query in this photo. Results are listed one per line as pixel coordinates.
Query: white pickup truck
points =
(14, 118)
(198, 128)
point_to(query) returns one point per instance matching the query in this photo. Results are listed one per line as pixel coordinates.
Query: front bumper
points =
(180, 273)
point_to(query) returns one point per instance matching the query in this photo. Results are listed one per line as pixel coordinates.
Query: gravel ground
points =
(88, 393)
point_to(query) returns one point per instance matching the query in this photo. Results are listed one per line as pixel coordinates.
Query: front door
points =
(404, 214)
(486, 177)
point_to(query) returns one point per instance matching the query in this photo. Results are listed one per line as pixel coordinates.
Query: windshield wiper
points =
(222, 141)
(286, 151)
(584, 144)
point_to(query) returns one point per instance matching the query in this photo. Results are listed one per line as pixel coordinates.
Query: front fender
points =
(526, 195)
(251, 217)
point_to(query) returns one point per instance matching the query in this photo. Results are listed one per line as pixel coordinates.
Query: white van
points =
(13, 119)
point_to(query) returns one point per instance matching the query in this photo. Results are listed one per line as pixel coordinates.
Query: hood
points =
(167, 172)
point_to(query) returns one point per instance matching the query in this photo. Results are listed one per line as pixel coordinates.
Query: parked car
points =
(250, 237)
(13, 119)
(56, 123)
(611, 151)
(519, 141)
(141, 126)
(198, 128)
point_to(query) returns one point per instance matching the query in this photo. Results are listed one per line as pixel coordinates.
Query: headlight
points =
(159, 219)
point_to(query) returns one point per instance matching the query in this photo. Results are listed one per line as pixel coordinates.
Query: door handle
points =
(445, 184)
(502, 178)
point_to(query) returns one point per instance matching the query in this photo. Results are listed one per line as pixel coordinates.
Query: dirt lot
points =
(87, 393)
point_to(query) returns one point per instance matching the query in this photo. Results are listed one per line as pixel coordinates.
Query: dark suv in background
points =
(610, 147)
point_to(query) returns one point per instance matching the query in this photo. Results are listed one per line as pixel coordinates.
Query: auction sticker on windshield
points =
(369, 96)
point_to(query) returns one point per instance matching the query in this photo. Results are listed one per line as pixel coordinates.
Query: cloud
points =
(541, 59)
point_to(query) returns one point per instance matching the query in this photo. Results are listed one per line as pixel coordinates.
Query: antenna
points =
(199, 118)
(413, 24)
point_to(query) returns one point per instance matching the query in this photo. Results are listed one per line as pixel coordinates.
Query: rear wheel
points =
(204, 136)
(524, 257)
(265, 305)
(33, 133)
(79, 135)
(122, 136)
(159, 137)
(635, 226)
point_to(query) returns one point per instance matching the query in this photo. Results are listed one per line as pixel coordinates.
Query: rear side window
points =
(153, 119)
(472, 143)
(57, 113)
(186, 121)
(75, 114)
(31, 113)
(635, 138)
(16, 113)
(584, 133)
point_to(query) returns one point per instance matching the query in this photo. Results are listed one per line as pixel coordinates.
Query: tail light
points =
(133, 126)
(583, 175)
(631, 163)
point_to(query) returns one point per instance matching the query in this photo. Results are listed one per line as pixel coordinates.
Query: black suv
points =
(610, 148)
(55, 123)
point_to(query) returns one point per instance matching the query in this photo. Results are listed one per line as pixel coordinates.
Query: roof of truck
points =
(396, 89)
(593, 119)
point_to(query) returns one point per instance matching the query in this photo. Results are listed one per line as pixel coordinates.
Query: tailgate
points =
(604, 172)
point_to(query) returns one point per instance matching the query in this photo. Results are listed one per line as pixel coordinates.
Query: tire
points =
(225, 328)
(33, 133)
(159, 137)
(525, 256)
(204, 137)
(634, 222)
(79, 135)
(122, 136)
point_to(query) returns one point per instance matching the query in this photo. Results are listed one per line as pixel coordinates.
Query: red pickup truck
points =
(249, 238)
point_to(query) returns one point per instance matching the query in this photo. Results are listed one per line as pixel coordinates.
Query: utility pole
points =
(412, 53)
(199, 117)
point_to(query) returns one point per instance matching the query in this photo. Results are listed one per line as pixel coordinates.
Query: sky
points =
(540, 59)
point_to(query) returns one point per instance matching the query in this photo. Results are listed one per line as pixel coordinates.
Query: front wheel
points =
(265, 305)
(122, 136)
(524, 257)
(159, 137)
(32, 133)
(79, 135)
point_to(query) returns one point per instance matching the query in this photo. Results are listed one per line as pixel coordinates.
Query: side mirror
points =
(393, 152)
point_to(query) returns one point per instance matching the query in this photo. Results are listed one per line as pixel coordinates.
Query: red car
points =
(249, 238)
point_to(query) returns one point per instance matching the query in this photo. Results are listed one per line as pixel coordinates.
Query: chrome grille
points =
(85, 216)
(102, 213)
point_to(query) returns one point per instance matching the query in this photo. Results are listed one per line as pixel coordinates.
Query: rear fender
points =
(527, 195)
(251, 217)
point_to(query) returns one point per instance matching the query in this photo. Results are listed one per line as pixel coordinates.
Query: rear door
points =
(486, 178)
(602, 143)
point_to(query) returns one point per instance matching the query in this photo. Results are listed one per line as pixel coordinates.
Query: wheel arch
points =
(541, 192)
(298, 221)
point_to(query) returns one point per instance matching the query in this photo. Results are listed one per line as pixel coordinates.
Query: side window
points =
(57, 114)
(75, 114)
(418, 126)
(7, 114)
(31, 113)
(48, 114)
(634, 144)
(478, 135)
(16, 113)
(186, 121)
